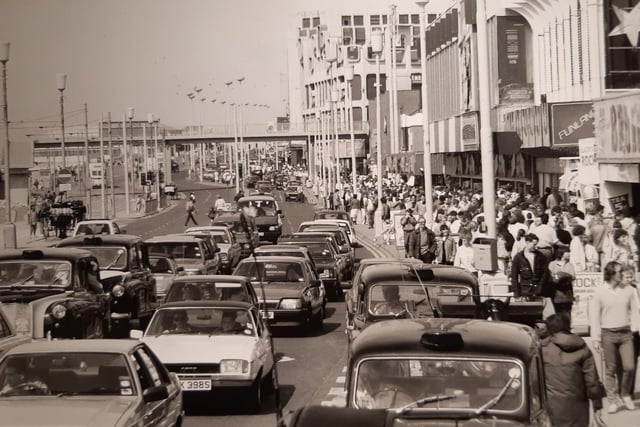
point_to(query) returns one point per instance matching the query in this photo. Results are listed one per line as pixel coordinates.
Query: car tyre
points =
(268, 382)
(254, 400)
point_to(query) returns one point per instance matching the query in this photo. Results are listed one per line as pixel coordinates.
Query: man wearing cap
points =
(529, 270)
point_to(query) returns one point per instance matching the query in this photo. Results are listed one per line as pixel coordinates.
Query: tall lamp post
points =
(154, 129)
(61, 84)
(376, 48)
(348, 76)
(8, 228)
(126, 160)
(426, 159)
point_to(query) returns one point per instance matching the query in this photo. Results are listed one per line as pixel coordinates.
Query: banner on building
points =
(617, 129)
(571, 122)
(619, 202)
(584, 286)
(512, 84)
(469, 131)
(531, 124)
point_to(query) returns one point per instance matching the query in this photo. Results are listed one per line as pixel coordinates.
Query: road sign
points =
(64, 176)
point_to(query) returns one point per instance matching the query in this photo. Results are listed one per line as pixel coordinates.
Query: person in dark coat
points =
(530, 275)
(421, 243)
(570, 375)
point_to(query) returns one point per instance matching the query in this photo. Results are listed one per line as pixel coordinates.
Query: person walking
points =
(613, 310)
(529, 271)
(571, 375)
(465, 257)
(191, 209)
(562, 273)
(32, 218)
(422, 243)
(408, 223)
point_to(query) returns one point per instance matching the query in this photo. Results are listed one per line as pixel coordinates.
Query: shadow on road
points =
(235, 403)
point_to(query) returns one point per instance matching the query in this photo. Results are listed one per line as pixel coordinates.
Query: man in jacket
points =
(422, 243)
(408, 223)
(529, 271)
(571, 376)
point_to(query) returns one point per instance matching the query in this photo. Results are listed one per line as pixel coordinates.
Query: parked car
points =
(126, 275)
(53, 292)
(212, 288)
(230, 251)
(449, 370)
(8, 336)
(344, 224)
(329, 266)
(97, 226)
(87, 383)
(332, 214)
(232, 221)
(165, 271)
(192, 253)
(266, 214)
(398, 290)
(214, 346)
(291, 289)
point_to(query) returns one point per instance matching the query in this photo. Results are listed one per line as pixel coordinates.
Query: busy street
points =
(320, 213)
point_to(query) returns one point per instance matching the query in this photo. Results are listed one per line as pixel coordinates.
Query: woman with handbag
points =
(571, 376)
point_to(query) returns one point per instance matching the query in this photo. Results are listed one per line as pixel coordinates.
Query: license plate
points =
(195, 385)
(269, 314)
(261, 233)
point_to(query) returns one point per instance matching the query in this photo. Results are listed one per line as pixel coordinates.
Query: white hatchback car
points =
(97, 226)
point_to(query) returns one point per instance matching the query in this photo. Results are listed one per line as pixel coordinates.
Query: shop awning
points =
(569, 182)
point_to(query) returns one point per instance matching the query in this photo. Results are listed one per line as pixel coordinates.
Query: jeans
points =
(618, 346)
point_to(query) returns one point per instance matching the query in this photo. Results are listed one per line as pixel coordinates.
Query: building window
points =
(371, 85)
(358, 20)
(357, 114)
(415, 19)
(346, 21)
(361, 36)
(356, 87)
(384, 19)
(375, 20)
(347, 36)
(306, 22)
(403, 19)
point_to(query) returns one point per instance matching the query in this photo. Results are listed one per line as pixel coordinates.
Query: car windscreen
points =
(93, 228)
(220, 237)
(446, 382)
(176, 250)
(272, 271)
(320, 251)
(332, 215)
(202, 321)
(109, 257)
(399, 299)
(207, 291)
(65, 373)
(263, 207)
(35, 272)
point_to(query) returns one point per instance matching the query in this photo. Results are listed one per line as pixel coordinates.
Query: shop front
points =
(617, 151)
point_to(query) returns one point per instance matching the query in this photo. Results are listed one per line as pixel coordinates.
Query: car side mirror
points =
(180, 270)
(136, 334)
(153, 394)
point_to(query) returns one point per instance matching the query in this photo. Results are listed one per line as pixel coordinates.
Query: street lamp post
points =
(235, 147)
(61, 84)
(154, 129)
(8, 228)
(376, 47)
(348, 76)
(336, 153)
(129, 116)
(426, 159)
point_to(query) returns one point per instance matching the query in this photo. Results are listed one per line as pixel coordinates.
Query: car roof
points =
(217, 278)
(174, 238)
(388, 272)
(402, 336)
(287, 248)
(47, 253)
(102, 239)
(256, 197)
(207, 303)
(204, 228)
(273, 258)
(330, 211)
(123, 346)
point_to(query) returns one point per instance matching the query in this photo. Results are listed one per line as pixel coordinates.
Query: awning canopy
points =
(569, 182)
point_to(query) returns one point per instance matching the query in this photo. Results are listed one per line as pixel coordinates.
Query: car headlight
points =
(274, 227)
(59, 311)
(117, 291)
(326, 273)
(291, 304)
(234, 366)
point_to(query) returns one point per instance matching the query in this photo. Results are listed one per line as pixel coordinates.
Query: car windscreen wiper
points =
(426, 400)
(114, 261)
(493, 402)
(23, 281)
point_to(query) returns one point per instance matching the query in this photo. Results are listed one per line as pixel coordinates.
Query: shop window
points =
(357, 114)
(347, 34)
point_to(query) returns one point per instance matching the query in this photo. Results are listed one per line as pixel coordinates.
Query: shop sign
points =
(588, 172)
(531, 124)
(512, 84)
(584, 286)
(617, 129)
(469, 131)
(619, 202)
(571, 122)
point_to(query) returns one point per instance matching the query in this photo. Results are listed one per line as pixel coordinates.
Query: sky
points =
(148, 54)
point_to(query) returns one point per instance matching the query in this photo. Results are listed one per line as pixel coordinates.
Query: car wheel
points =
(254, 400)
(268, 382)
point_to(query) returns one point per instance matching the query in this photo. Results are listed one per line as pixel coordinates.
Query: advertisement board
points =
(584, 286)
(619, 202)
(588, 171)
(512, 84)
(616, 129)
(571, 122)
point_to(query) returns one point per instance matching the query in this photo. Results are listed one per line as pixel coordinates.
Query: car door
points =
(209, 257)
(317, 299)
(151, 373)
(264, 351)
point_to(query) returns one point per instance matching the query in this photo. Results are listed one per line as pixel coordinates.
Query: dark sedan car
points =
(395, 290)
(53, 292)
(291, 289)
(125, 273)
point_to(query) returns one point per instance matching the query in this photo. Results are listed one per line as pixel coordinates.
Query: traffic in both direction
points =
(175, 328)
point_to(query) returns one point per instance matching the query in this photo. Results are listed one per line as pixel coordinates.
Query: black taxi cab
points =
(126, 275)
(391, 290)
(53, 292)
(440, 372)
